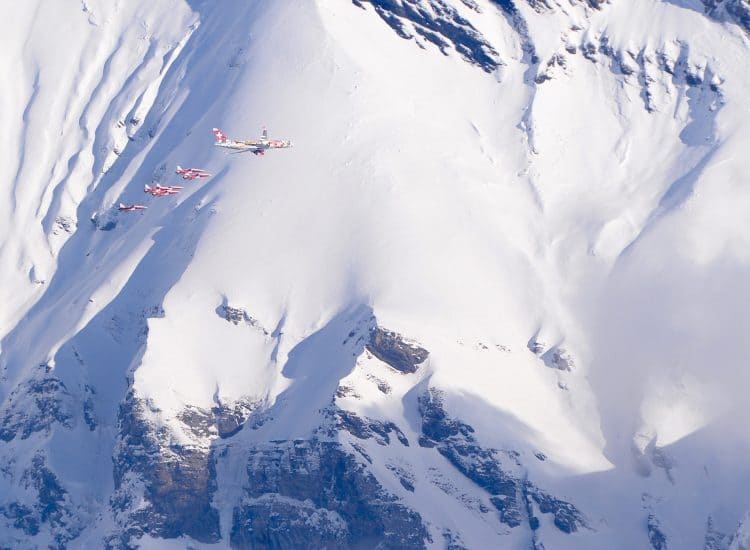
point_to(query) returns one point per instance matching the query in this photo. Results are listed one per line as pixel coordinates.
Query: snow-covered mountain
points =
(495, 296)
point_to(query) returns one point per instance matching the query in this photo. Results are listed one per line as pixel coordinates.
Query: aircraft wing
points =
(238, 146)
(246, 149)
(279, 143)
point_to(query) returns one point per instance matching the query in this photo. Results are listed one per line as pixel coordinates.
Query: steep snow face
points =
(492, 296)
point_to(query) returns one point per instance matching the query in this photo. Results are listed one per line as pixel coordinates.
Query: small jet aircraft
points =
(191, 173)
(131, 208)
(162, 190)
(257, 147)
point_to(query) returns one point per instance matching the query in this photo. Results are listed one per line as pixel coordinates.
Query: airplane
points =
(191, 173)
(162, 190)
(257, 147)
(131, 208)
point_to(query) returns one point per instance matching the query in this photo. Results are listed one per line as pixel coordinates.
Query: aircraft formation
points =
(162, 190)
(256, 146)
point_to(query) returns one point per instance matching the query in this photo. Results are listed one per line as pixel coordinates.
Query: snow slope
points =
(493, 297)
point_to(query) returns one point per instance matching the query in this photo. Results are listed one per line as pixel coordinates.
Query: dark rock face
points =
(34, 407)
(440, 25)
(315, 494)
(223, 420)
(52, 506)
(511, 493)
(394, 350)
(739, 10)
(382, 385)
(52, 502)
(454, 440)
(567, 517)
(540, 5)
(715, 540)
(89, 415)
(436, 425)
(270, 522)
(518, 23)
(405, 477)
(482, 467)
(178, 480)
(23, 517)
(406, 484)
(452, 541)
(545, 74)
(367, 428)
(104, 221)
(237, 315)
(64, 223)
(230, 419)
(655, 536)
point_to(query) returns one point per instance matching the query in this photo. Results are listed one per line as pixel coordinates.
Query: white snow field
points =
(495, 296)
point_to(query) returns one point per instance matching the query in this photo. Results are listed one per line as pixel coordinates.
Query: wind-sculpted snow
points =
(503, 269)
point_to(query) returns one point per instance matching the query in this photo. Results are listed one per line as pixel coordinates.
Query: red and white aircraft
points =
(131, 208)
(191, 173)
(257, 146)
(162, 190)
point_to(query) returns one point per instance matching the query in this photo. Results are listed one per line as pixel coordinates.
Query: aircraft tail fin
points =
(179, 169)
(147, 188)
(220, 136)
(265, 133)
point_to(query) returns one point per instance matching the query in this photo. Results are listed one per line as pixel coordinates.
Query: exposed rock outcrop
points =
(237, 315)
(315, 494)
(35, 406)
(366, 428)
(567, 518)
(715, 540)
(438, 23)
(738, 10)
(393, 349)
(498, 472)
(164, 488)
(555, 357)
(656, 537)
(230, 419)
(48, 507)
